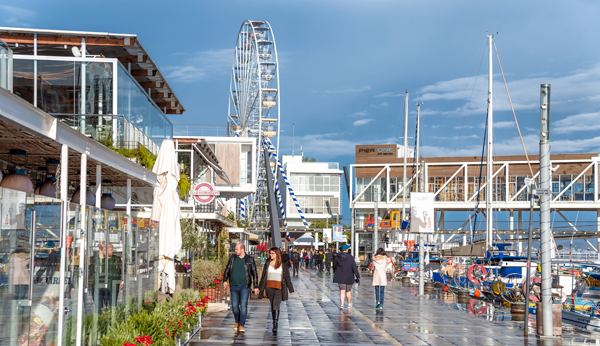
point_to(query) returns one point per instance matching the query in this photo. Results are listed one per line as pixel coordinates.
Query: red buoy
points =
(446, 289)
(477, 293)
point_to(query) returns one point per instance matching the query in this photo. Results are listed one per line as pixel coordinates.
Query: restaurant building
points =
(459, 185)
(79, 113)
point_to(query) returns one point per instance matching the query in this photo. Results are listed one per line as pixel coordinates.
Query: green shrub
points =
(205, 272)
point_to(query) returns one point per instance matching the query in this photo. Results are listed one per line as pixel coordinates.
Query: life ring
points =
(477, 273)
(449, 260)
(477, 306)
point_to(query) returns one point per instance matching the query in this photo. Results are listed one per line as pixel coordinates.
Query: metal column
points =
(545, 195)
(64, 188)
(82, 245)
(490, 168)
(375, 221)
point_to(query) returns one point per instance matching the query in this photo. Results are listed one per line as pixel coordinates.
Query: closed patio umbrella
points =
(165, 209)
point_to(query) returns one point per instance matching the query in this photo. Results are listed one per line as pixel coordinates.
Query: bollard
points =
(405, 280)
(517, 311)
(556, 319)
(428, 286)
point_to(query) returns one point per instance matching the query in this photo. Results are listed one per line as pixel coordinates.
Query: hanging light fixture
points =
(17, 179)
(90, 198)
(107, 201)
(48, 188)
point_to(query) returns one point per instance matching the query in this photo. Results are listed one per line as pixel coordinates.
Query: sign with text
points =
(338, 233)
(421, 212)
(204, 192)
(327, 235)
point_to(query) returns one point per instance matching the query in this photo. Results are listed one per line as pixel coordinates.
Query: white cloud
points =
(577, 122)
(383, 104)
(17, 16)
(359, 114)
(362, 122)
(389, 94)
(463, 127)
(202, 65)
(504, 124)
(347, 90)
(571, 88)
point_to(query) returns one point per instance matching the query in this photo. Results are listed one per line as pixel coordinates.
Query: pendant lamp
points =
(107, 201)
(17, 179)
(90, 198)
(48, 189)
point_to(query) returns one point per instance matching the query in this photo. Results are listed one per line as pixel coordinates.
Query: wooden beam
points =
(167, 104)
(132, 59)
(161, 95)
(153, 85)
(143, 73)
(174, 111)
(62, 40)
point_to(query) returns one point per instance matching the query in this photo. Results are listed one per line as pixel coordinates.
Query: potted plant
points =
(206, 276)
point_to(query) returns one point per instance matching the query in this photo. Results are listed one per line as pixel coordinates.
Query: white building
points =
(317, 186)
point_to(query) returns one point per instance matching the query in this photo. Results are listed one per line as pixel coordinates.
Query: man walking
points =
(328, 259)
(319, 261)
(241, 272)
(344, 272)
(295, 262)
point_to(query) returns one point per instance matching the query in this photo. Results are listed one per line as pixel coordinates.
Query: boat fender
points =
(449, 260)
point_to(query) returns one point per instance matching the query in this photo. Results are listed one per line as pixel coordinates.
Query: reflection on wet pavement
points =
(312, 317)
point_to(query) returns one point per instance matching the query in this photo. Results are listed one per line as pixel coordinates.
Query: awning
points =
(210, 159)
(306, 239)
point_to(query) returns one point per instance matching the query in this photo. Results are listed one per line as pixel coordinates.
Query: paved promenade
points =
(312, 317)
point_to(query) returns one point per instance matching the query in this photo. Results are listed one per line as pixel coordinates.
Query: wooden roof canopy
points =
(125, 47)
(39, 150)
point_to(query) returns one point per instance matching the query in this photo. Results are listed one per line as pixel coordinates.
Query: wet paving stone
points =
(312, 317)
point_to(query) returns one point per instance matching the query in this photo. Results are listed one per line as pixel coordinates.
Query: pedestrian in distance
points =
(276, 283)
(319, 261)
(295, 262)
(379, 266)
(285, 258)
(241, 273)
(311, 257)
(328, 259)
(345, 273)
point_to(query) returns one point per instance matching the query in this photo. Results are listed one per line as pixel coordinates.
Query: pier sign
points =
(421, 212)
(204, 192)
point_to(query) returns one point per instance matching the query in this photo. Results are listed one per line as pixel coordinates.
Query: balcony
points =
(81, 93)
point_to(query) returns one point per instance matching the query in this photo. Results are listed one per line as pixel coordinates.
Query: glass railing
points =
(114, 131)
(134, 103)
(59, 88)
(119, 267)
(6, 66)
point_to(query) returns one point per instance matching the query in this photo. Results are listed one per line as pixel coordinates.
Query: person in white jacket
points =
(378, 266)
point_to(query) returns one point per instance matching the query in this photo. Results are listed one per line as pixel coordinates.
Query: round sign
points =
(204, 193)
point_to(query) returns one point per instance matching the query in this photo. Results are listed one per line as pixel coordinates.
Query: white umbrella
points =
(165, 209)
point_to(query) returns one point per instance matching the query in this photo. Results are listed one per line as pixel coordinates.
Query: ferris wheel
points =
(254, 107)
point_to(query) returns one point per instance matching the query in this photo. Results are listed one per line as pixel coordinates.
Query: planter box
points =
(189, 336)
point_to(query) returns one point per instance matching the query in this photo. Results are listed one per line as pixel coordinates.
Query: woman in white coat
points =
(378, 266)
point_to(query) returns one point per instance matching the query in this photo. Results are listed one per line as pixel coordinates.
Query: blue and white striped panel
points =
(279, 197)
(242, 209)
(270, 146)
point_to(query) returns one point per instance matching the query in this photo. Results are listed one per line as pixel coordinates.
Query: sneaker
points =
(236, 327)
(241, 329)
(377, 306)
(380, 306)
(342, 307)
(349, 305)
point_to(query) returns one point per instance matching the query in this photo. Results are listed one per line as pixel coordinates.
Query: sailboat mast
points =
(490, 167)
(418, 144)
(405, 155)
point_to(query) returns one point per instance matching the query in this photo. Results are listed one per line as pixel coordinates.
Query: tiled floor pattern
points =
(312, 317)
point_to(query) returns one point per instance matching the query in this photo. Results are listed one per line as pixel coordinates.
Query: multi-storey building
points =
(317, 186)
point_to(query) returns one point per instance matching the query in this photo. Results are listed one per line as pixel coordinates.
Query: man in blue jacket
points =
(344, 274)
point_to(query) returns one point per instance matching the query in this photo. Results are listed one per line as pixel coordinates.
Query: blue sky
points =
(344, 65)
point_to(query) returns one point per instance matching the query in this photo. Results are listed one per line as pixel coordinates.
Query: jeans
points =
(239, 303)
(296, 264)
(328, 266)
(379, 294)
(312, 263)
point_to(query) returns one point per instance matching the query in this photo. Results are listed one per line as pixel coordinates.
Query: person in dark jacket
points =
(276, 282)
(319, 261)
(344, 272)
(295, 262)
(241, 272)
(328, 259)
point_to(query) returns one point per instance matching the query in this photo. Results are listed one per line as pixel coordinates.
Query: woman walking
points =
(378, 266)
(275, 282)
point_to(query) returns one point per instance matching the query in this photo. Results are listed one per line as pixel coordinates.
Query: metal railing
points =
(6, 66)
(211, 130)
(110, 130)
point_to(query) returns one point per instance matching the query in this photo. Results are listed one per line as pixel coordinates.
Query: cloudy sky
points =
(344, 65)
